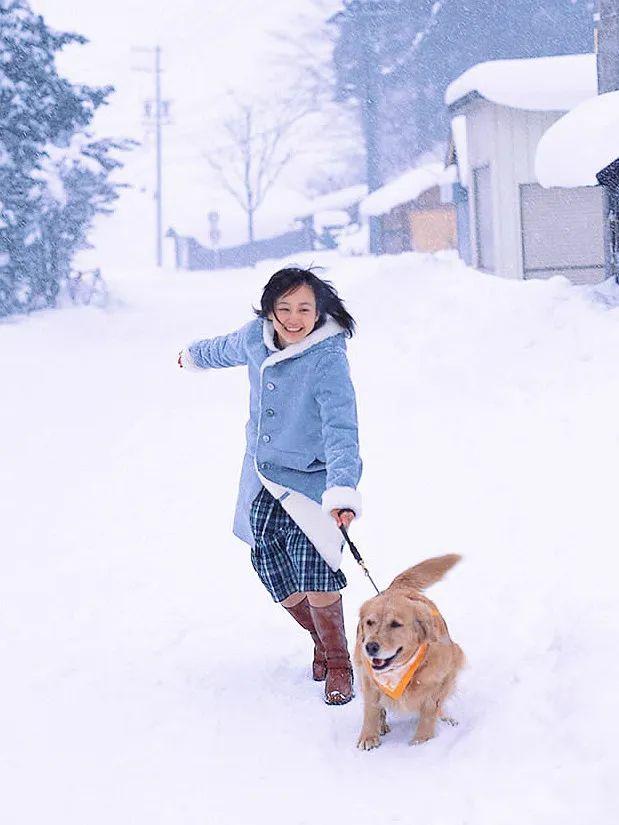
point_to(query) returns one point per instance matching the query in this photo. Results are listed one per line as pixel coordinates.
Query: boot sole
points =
(343, 701)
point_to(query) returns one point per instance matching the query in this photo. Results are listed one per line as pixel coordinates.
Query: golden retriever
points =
(404, 656)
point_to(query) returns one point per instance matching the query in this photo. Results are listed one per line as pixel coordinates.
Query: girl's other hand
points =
(343, 518)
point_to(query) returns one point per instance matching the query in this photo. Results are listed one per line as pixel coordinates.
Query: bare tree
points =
(302, 59)
(259, 146)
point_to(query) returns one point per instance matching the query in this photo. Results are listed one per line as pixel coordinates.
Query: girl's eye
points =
(396, 624)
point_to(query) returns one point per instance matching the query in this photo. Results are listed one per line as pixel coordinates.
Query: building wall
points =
(480, 148)
(517, 133)
(434, 229)
(395, 230)
(504, 139)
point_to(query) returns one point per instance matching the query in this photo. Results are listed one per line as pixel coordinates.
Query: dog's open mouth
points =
(381, 664)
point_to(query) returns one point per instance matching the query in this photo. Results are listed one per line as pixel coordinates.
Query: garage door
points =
(562, 232)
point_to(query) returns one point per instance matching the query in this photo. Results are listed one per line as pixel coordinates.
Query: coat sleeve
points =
(224, 351)
(338, 414)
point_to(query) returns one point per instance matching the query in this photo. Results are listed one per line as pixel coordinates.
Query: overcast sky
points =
(209, 47)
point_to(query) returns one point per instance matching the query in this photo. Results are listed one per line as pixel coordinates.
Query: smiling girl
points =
(302, 463)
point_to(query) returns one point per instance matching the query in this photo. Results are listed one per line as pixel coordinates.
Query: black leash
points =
(354, 551)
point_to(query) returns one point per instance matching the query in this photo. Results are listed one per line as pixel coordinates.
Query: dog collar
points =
(395, 681)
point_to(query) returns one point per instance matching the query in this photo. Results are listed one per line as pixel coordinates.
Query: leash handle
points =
(353, 549)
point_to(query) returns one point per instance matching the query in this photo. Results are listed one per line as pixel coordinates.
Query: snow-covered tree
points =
(302, 58)
(395, 58)
(52, 181)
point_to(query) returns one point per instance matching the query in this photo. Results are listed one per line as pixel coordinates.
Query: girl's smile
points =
(295, 315)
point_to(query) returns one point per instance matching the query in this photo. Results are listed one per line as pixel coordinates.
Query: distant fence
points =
(190, 254)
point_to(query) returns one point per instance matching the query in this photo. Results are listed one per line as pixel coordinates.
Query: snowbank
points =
(580, 144)
(147, 677)
(407, 187)
(538, 84)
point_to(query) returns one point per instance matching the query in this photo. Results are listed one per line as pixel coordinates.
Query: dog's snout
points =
(372, 648)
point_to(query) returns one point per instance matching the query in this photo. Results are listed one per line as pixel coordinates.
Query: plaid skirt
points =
(282, 555)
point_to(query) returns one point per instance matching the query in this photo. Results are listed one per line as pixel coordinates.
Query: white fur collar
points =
(327, 330)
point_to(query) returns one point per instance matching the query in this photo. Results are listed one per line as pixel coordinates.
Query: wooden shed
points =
(416, 211)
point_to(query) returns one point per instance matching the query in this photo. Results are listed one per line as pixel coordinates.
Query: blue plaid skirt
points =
(282, 555)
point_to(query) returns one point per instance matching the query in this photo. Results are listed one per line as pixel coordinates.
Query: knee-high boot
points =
(301, 613)
(329, 623)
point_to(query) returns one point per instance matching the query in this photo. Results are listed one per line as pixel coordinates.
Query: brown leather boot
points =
(329, 622)
(301, 613)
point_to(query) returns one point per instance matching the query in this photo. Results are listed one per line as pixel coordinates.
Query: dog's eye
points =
(370, 623)
(395, 624)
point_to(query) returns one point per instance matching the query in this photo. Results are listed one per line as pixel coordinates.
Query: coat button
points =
(265, 465)
(270, 413)
(270, 386)
(266, 438)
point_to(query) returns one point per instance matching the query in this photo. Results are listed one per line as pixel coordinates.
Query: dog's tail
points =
(425, 573)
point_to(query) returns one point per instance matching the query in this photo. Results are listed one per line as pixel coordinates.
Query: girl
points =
(302, 464)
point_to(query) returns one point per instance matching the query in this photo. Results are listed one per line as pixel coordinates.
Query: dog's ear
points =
(424, 623)
(360, 632)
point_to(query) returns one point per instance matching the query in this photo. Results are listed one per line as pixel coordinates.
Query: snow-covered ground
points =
(146, 676)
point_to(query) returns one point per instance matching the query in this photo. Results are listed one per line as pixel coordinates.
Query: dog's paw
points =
(449, 720)
(420, 739)
(366, 743)
(384, 728)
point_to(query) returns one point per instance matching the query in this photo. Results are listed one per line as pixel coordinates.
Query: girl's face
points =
(295, 315)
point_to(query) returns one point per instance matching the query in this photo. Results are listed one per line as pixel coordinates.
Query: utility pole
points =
(607, 48)
(161, 111)
(158, 192)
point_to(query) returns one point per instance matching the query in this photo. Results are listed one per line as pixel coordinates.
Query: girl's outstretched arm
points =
(338, 412)
(212, 353)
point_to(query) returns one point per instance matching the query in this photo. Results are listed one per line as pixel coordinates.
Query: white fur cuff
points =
(339, 498)
(187, 362)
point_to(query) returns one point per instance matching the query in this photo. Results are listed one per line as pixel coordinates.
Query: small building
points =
(581, 150)
(415, 211)
(519, 229)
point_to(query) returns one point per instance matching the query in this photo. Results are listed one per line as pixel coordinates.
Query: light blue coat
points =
(302, 428)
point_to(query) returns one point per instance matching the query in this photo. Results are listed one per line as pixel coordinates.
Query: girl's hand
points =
(343, 518)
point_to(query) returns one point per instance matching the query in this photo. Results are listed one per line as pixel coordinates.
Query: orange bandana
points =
(395, 681)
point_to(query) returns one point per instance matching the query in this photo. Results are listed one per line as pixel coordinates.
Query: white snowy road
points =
(146, 676)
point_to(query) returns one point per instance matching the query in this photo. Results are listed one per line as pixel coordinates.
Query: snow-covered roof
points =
(340, 199)
(407, 187)
(448, 175)
(553, 84)
(580, 144)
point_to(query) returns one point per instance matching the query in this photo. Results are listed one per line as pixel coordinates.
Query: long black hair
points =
(328, 301)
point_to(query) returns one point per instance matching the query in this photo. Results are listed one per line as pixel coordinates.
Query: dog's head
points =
(391, 628)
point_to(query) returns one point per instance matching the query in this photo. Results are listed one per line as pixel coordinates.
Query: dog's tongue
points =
(378, 662)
